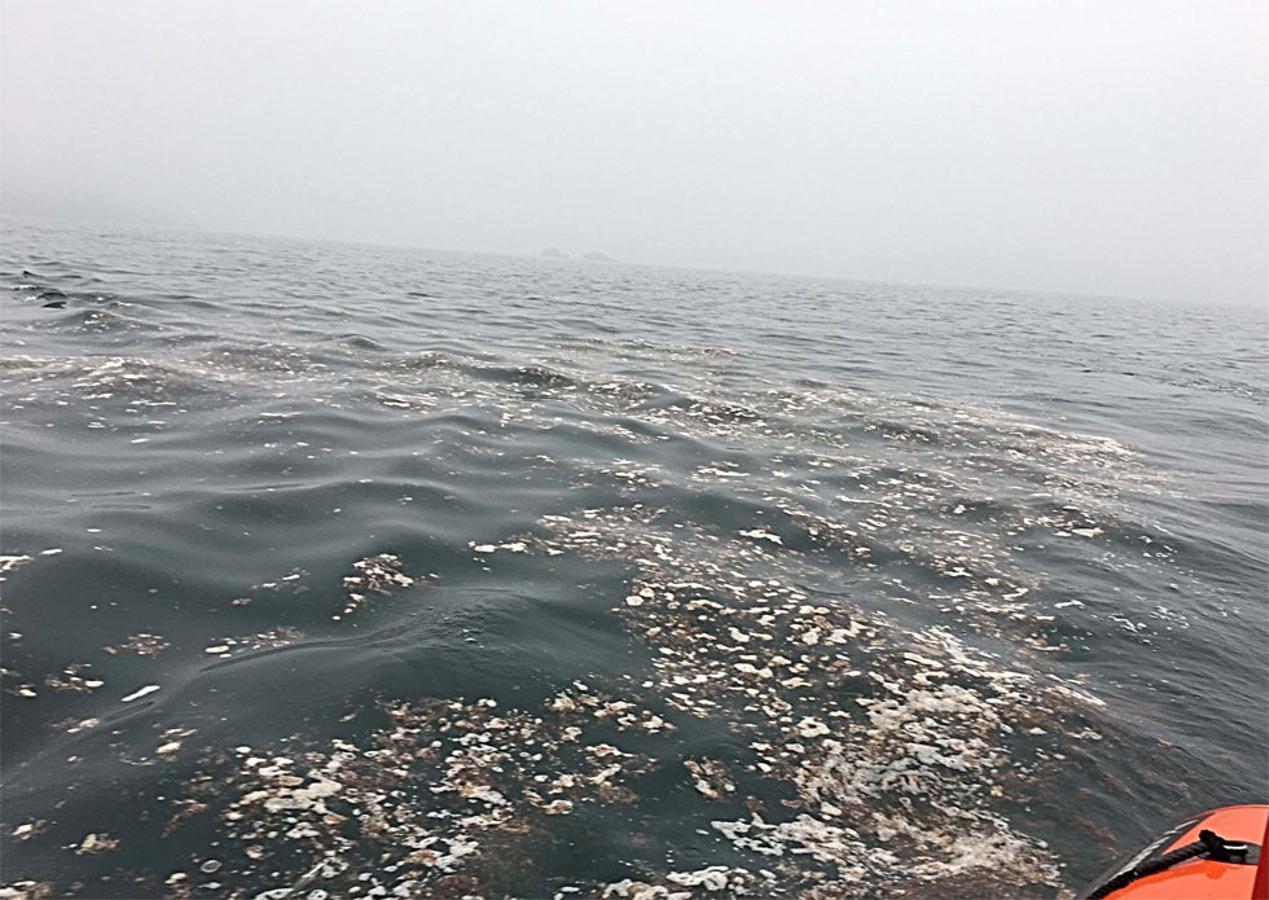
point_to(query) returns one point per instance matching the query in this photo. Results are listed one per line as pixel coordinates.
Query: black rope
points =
(1209, 844)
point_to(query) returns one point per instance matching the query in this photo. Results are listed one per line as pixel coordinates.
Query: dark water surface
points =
(349, 571)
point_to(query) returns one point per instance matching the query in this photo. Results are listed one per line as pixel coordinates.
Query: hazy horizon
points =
(1236, 303)
(1081, 149)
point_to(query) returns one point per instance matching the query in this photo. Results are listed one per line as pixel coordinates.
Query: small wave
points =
(361, 342)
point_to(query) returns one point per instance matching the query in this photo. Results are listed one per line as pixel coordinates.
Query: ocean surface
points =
(350, 571)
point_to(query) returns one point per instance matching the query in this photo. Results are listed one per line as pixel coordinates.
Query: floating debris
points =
(375, 574)
(97, 843)
(445, 787)
(70, 680)
(173, 740)
(12, 564)
(759, 535)
(143, 644)
(281, 636)
(29, 829)
(710, 777)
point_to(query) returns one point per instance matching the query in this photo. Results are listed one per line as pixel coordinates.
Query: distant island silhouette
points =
(593, 256)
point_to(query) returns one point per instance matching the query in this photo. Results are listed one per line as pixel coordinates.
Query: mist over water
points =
(356, 569)
(1087, 147)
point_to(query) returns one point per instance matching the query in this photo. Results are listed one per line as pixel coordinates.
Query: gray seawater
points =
(372, 571)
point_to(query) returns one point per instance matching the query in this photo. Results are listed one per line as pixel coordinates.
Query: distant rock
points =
(596, 256)
(552, 253)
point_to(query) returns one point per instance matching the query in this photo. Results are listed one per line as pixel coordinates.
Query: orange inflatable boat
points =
(1218, 855)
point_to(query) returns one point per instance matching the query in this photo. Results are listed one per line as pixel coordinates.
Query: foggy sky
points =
(1096, 147)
